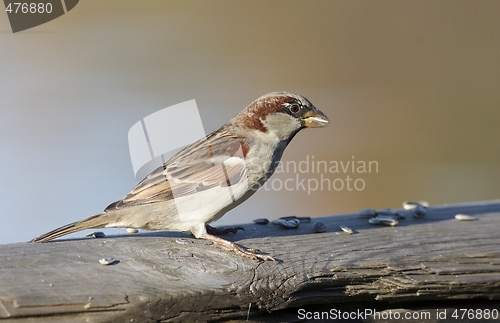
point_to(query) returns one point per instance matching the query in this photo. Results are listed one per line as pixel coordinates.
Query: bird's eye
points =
(294, 108)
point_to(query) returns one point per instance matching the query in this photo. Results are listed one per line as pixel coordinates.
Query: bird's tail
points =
(95, 221)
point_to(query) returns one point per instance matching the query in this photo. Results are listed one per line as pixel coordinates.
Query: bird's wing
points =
(215, 160)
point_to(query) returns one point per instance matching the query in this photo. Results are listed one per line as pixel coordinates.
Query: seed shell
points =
(291, 224)
(419, 211)
(107, 261)
(410, 205)
(319, 227)
(366, 213)
(464, 217)
(346, 229)
(294, 224)
(261, 221)
(304, 219)
(287, 218)
(387, 220)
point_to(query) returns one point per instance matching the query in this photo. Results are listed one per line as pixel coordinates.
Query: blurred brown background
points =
(414, 86)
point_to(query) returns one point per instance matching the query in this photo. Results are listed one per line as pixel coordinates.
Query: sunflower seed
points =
(388, 220)
(419, 211)
(294, 224)
(304, 219)
(132, 230)
(96, 234)
(384, 219)
(287, 218)
(366, 213)
(261, 221)
(346, 229)
(283, 223)
(395, 214)
(107, 261)
(410, 205)
(291, 224)
(319, 227)
(391, 223)
(464, 217)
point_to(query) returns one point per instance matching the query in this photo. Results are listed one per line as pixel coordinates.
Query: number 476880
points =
(23, 7)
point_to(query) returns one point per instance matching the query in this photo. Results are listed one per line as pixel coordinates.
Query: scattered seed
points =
(283, 223)
(261, 221)
(132, 230)
(304, 219)
(384, 219)
(388, 220)
(184, 241)
(319, 227)
(107, 261)
(391, 223)
(294, 224)
(366, 213)
(464, 217)
(291, 224)
(410, 205)
(346, 229)
(96, 234)
(395, 214)
(419, 211)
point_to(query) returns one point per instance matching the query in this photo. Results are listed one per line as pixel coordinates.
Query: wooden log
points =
(431, 262)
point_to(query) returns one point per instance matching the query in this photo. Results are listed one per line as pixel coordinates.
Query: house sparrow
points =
(203, 181)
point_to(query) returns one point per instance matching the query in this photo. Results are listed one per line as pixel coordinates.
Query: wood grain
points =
(421, 261)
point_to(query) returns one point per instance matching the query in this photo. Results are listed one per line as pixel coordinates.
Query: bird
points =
(206, 179)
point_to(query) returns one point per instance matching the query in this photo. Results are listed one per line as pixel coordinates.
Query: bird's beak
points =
(314, 118)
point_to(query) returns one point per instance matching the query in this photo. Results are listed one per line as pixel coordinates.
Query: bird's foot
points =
(231, 246)
(217, 231)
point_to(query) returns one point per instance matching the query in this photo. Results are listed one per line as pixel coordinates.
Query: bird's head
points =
(282, 114)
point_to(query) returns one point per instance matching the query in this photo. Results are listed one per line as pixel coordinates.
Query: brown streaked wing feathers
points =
(190, 172)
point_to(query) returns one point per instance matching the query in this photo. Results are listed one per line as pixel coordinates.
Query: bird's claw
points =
(217, 231)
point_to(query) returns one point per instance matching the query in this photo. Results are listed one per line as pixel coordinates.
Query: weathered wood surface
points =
(435, 258)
